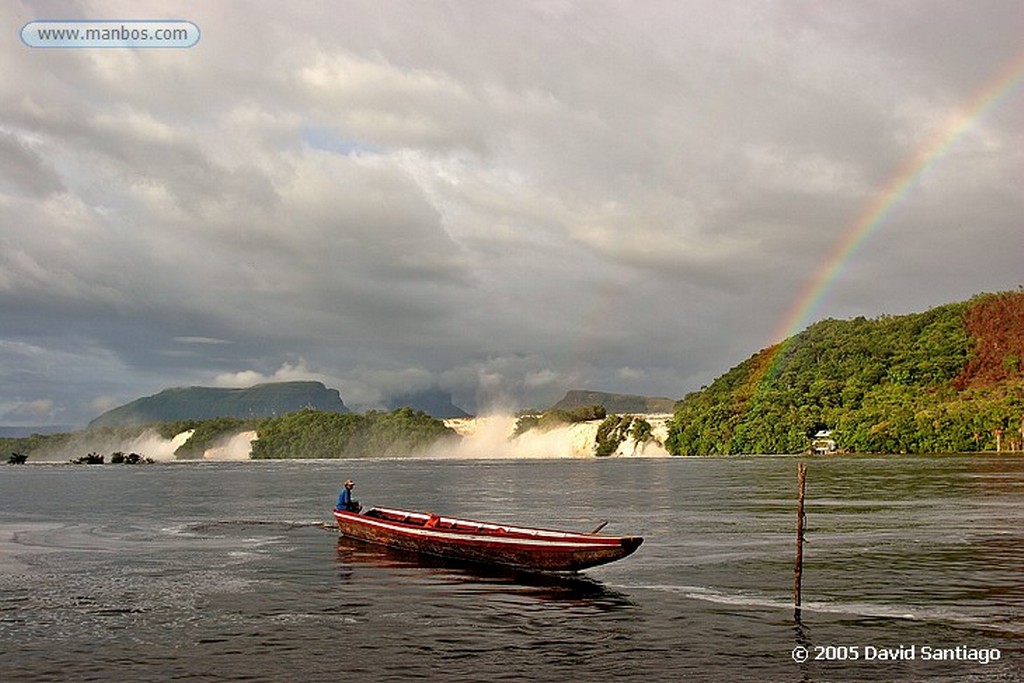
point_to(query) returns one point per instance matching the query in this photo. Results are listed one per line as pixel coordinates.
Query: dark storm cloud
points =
(503, 200)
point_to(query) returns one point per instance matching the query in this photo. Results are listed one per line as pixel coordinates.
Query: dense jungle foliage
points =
(315, 434)
(306, 433)
(615, 429)
(947, 380)
(25, 446)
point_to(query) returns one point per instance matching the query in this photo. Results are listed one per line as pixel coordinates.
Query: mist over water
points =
(149, 444)
(237, 447)
(488, 436)
(491, 436)
(152, 445)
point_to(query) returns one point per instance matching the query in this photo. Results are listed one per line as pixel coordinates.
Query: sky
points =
(502, 200)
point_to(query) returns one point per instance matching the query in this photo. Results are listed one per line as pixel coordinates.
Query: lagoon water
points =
(224, 571)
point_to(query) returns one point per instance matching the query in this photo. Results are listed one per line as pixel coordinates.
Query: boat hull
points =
(482, 542)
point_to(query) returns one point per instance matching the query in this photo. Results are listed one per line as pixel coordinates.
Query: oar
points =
(599, 527)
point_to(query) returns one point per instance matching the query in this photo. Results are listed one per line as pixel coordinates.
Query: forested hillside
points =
(950, 379)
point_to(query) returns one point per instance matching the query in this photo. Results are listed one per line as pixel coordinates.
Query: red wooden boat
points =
(484, 542)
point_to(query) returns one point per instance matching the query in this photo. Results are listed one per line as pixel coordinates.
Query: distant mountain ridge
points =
(17, 432)
(615, 403)
(204, 403)
(434, 402)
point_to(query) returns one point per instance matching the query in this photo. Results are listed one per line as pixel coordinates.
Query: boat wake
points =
(226, 525)
(917, 613)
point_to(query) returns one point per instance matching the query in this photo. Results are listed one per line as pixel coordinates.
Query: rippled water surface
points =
(224, 571)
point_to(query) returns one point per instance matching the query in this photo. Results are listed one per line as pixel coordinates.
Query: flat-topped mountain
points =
(433, 402)
(204, 403)
(615, 403)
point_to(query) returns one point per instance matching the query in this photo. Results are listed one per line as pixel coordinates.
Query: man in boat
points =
(345, 501)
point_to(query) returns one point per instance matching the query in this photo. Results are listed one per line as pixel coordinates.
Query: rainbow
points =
(873, 215)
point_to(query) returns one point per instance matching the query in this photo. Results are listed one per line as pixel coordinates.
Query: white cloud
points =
(288, 372)
(200, 340)
(521, 201)
(102, 404)
(237, 380)
(38, 411)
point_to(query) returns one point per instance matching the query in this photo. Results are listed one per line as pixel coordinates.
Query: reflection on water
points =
(572, 589)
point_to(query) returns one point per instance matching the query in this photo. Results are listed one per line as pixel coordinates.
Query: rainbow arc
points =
(874, 214)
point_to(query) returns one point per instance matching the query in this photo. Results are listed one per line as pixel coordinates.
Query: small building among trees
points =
(823, 443)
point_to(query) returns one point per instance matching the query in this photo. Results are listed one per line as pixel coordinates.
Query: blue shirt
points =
(344, 499)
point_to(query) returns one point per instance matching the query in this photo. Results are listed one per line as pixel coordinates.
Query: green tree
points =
(893, 384)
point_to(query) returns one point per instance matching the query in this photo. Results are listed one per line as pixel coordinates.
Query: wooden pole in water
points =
(801, 479)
